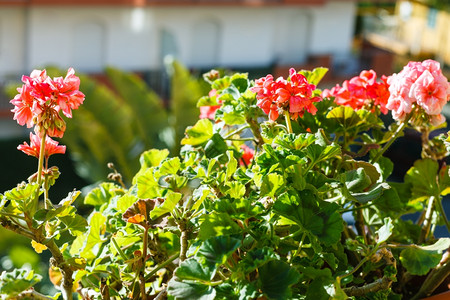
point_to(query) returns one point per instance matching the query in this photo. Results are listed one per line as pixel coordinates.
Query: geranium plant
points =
(280, 191)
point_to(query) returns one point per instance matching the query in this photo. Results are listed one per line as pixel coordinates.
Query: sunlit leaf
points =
(18, 280)
(198, 134)
(217, 224)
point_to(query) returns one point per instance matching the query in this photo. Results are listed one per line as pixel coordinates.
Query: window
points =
(432, 17)
(205, 44)
(89, 50)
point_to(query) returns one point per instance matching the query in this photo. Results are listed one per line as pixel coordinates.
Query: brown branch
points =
(32, 294)
(380, 284)
(183, 240)
(58, 261)
(254, 127)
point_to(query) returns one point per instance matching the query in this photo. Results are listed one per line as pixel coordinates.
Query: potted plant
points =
(281, 191)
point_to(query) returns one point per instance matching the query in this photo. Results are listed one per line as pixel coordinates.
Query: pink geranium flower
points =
(294, 95)
(34, 148)
(421, 84)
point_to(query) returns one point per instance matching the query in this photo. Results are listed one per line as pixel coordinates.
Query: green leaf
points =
(373, 194)
(418, 260)
(423, 179)
(170, 166)
(385, 231)
(232, 164)
(191, 269)
(240, 81)
(236, 189)
(22, 198)
(102, 194)
(231, 116)
(217, 224)
(125, 201)
(18, 280)
(198, 134)
(271, 184)
(168, 205)
(323, 221)
(256, 258)
(76, 224)
(345, 116)
(317, 153)
(190, 290)
(216, 250)
(275, 279)
(314, 76)
(152, 158)
(215, 146)
(357, 180)
(86, 243)
(147, 185)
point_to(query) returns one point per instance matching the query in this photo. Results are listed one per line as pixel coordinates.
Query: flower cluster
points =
(38, 104)
(423, 84)
(294, 95)
(363, 91)
(41, 98)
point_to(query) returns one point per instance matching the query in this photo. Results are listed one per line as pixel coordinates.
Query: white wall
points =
(12, 41)
(332, 30)
(130, 38)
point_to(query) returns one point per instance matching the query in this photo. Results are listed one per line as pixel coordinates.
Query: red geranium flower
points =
(51, 147)
(294, 95)
(361, 91)
(40, 99)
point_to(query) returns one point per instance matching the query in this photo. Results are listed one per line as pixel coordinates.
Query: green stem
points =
(119, 250)
(287, 117)
(235, 132)
(162, 265)
(356, 208)
(391, 140)
(39, 174)
(46, 199)
(300, 245)
(427, 221)
(434, 279)
(442, 211)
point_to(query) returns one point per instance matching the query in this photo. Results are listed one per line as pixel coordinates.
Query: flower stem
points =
(39, 174)
(391, 140)
(442, 211)
(162, 265)
(229, 135)
(427, 221)
(287, 117)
